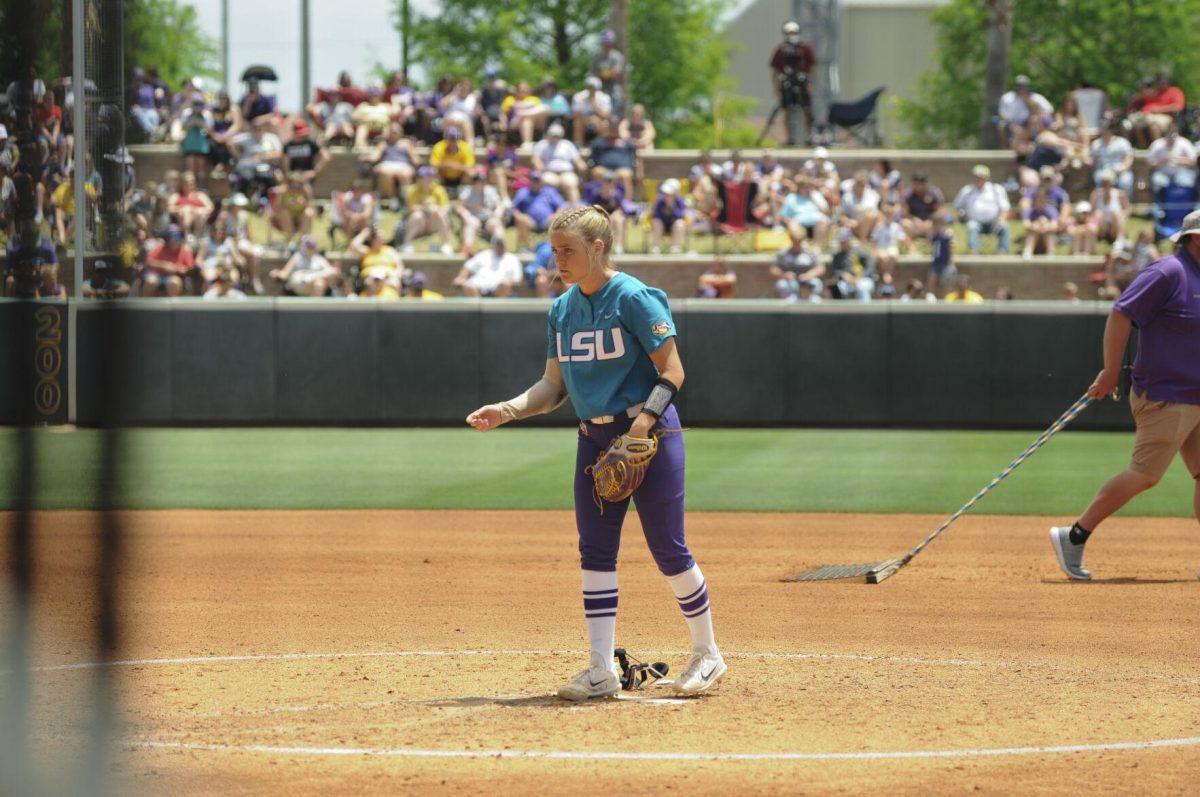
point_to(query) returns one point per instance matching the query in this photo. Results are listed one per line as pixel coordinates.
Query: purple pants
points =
(659, 500)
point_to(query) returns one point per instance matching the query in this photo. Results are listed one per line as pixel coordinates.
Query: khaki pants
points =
(1164, 428)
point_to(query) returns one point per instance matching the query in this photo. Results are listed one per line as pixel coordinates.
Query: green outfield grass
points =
(742, 470)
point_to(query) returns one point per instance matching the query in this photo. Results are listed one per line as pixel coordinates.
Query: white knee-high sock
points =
(692, 594)
(600, 609)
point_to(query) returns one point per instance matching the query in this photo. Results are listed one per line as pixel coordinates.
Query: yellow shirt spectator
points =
(528, 101)
(64, 196)
(419, 194)
(451, 165)
(966, 296)
(386, 258)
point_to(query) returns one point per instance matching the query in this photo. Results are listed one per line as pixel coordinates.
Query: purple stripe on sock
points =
(698, 612)
(598, 592)
(687, 598)
(605, 614)
(600, 603)
(692, 606)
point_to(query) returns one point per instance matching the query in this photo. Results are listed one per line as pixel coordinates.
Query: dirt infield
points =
(377, 652)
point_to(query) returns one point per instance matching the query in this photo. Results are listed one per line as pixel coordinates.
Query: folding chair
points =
(1171, 204)
(859, 118)
(734, 218)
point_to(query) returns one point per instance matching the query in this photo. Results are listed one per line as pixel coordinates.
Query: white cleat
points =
(701, 674)
(1070, 555)
(592, 682)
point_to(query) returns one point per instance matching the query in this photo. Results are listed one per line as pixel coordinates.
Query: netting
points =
(109, 168)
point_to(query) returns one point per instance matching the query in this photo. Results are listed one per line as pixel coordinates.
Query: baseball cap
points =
(1190, 226)
(535, 175)
(608, 175)
(491, 72)
(844, 235)
(592, 82)
(174, 233)
(301, 127)
(555, 130)
(498, 239)
(920, 177)
(670, 186)
(238, 200)
(820, 152)
(1046, 172)
(1106, 176)
(981, 171)
(3, 132)
(791, 27)
(101, 265)
(608, 37)
(426, 171)
(308, 242)
(453, 133)
(378, 273)
(418, 279)
(1023, 82)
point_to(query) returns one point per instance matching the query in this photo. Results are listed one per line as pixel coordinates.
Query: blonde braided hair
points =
(591, 223)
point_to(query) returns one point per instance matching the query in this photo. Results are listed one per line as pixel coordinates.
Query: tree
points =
(1061, 45)
(677, 56)
(167, 34)
(162, 33)
(525, 39)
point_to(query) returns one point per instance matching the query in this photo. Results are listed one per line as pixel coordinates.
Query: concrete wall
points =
(303, 362)
(949, 170)
(1039, 278)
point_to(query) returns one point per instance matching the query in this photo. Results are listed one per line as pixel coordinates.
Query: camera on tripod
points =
(793, 88)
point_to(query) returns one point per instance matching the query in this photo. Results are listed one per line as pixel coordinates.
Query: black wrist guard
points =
(660, 398)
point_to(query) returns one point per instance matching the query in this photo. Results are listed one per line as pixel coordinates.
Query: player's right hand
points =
(485, 418)
(1104, 385)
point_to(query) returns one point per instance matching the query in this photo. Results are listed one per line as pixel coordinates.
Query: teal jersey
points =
(602, 343)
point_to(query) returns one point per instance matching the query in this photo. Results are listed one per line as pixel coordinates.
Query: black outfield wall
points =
(300, 362)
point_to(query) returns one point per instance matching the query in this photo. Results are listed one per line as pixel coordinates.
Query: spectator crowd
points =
(478, 171)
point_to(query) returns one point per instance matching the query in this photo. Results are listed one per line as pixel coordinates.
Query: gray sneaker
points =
(1070, 555)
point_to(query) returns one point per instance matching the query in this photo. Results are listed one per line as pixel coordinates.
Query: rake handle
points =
(1053, 429)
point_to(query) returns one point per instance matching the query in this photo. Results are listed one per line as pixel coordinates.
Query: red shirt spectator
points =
(170, 254)
(1165, 98)
(349, 92)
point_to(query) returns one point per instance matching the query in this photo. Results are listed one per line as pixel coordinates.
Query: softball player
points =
(611, 350)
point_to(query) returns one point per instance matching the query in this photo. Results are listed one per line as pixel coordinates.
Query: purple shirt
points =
(1056, 196)
(592, 196)
(538, 205)
(668, 210)
(1163, 302)
(1033, 214)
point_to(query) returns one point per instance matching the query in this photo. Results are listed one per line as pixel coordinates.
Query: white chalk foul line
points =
(251, 657)
(1191, 741)
(597, 755)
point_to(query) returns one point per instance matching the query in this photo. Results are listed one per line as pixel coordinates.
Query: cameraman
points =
(792, 65)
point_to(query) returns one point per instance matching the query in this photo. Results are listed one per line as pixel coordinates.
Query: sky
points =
(346, 34)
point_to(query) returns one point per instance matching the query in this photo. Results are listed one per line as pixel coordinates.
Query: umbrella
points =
(258, 72)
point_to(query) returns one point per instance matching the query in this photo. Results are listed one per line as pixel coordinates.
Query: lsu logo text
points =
(588, 346)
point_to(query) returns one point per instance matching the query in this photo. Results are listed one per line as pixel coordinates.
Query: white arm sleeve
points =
(546, 395)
